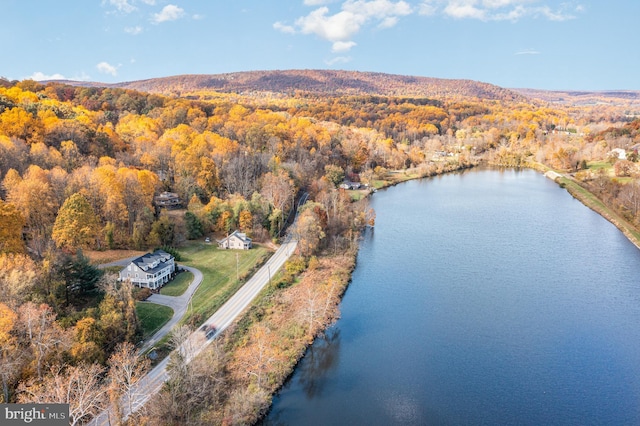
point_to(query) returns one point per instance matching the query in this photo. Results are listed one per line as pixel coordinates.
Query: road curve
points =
(222, 318)
(179, 304)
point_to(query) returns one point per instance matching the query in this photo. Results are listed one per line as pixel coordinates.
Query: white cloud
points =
(342, 46)
(40, 76)
(527, 52)
(427, 9)
(169, 13)
(316, 2)
(496, 4)
(197, 17)
(558, 15)
(121, 5)
(288, 29)
(462, 10)
(133, 30)
(379, 9)
(388, 22)
(106, 68)
(339, 28)
(499, 10)
(149, 2)
(338, 60)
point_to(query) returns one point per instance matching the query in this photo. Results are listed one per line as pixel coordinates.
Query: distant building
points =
(350, 185)
(618, 153)
(168, 200)
(236, 240)
(151, 270)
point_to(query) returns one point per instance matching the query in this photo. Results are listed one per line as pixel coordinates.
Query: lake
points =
(489, 297)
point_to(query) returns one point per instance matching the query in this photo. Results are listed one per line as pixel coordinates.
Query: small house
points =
(151, 270)
(618, 153)
(235, 240)
(168, 200)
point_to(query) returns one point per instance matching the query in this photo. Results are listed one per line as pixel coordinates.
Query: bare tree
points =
(126, 370)
(242, 172)
(79, 386)
(44, 335)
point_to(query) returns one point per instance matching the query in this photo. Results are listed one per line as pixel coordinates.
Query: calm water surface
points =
(489, 297)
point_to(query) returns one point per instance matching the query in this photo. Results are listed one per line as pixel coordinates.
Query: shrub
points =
(141, 294)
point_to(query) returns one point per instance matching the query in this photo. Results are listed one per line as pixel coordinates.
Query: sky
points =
(538, 44)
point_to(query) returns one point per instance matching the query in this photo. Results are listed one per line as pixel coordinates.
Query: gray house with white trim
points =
(151, 270)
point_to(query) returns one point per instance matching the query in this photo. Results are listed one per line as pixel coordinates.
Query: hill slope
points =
(584, 98)
(323, 82)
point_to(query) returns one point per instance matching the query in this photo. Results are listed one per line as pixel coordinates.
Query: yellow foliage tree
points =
(76, 225)
(11, 224)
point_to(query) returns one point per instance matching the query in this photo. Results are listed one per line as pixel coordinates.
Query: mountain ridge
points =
(339, 82)
(334, 82)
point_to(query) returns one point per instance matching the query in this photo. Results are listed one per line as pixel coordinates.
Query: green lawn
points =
(152, 317)
(179, 285)
(218, 268)
(599, 165)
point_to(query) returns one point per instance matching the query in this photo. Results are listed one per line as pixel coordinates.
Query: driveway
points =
(179, 304)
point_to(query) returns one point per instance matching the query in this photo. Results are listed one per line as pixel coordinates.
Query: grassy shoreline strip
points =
(591, 201)
(595, 204)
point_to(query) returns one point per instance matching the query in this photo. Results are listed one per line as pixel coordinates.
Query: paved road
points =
(223, 317)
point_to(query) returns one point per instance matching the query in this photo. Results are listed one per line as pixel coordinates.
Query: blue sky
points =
(542, 44)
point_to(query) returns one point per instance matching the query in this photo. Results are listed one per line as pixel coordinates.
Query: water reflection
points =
(481, 300)
(321, 358)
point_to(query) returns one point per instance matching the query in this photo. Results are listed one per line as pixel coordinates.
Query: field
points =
(177, 286)
(107, 256)
(152, 317)
(220, 269)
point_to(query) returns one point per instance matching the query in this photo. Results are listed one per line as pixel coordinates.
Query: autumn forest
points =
(81, 167)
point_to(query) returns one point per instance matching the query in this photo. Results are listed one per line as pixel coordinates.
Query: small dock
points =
(552, 175)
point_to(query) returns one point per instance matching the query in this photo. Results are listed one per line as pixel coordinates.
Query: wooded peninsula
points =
(84, 168)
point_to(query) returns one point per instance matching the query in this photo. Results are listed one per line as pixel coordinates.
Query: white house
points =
(618, 153)
(151, 270)
(236, 240)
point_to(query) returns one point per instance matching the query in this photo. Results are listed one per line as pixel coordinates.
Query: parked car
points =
(207, 240)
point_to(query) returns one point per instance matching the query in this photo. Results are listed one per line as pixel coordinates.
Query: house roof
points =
(153, 262)
(238, 234)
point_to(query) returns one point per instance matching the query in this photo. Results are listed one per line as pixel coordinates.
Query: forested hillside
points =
(324, 82)
(80, 168)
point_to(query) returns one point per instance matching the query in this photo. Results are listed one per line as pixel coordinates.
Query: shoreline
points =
(583, 195)
(558, 178)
